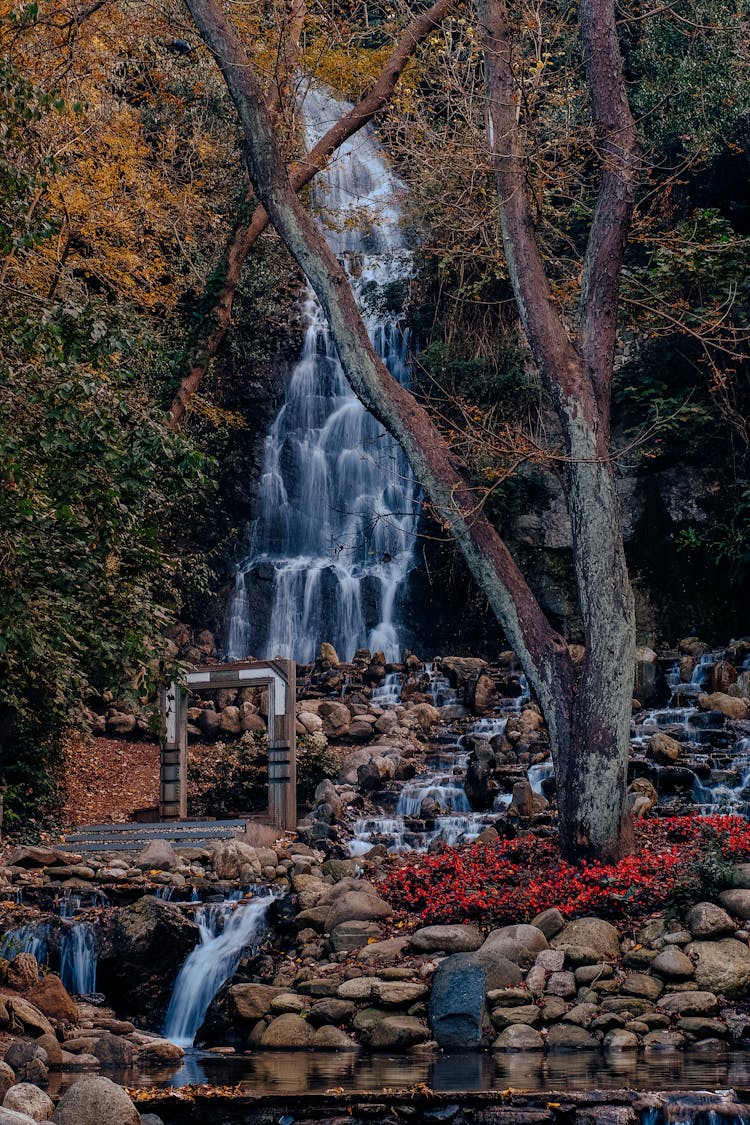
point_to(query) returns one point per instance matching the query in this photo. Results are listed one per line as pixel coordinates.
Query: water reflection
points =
(298, 1072)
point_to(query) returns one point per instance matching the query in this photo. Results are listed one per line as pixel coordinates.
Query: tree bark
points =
(587, 708)
(245, 236)
(593, 747)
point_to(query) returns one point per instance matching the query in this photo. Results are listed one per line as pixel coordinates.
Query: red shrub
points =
(678, 860)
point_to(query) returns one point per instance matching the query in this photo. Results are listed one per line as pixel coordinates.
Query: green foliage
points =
(315, 762)
(704, 875)
(229, 778)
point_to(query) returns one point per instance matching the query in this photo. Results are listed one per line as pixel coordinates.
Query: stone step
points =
(146, 829)
(93, 838)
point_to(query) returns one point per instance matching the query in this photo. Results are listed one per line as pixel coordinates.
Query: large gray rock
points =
(518, 1037)
(673, 964)
(499, 971)
(707, 920)
(519, 944)
(13, 1117)
(142, 954)
(289, 1033)
(7, 1078)
(158, 855)
(737, 902)
(447, 939)
(356, 906)
(592, 933)
(570, 1037)
(397, 1033)
(28, 1099)
(457, 1004)
(95, 1101)
(721, 966)
(689, 1003)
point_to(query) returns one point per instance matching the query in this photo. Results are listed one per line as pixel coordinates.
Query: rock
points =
(142, 954)
(28, 1099)
(398, 993)
(330, 1038)
(336, 718)
(29, 1015)
(329, 1010)
(620, 1040)
(118, 723)
(650, 686)
(230, 721)
(721, 966)
(7, 1078)
(288, 1032)
(592, 933)
(93, 1101)
(52, 999)
(13, 1117)
(706, 920)
(159, 1053)
(518, 1037)
(114, 1052)
(22, 972)
(663, 1041)
(727, 705)
(642, 787)
(357, 906)
(638, 984)
(327, 655)
(397, 1033)
(550, 922)
(551, 960)
(446, 939)
(524, 1014)
(358, 989)
(389, 950)
(498, 970)
(424, 715)
(457, 1004)
(523, 799)
(737, 902)
(229, 858)
(702, 1027)
(209, 722)
(251, 721)
(253, 1001)
(673, 964)
(29, 855)
(570, 1037)
(519, 944)
(348, 936)
(561, 984)
(663, 749)
(582, 1014)
(689, 1003)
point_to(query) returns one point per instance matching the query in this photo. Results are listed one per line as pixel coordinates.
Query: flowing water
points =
(332, 539)
(227, 931)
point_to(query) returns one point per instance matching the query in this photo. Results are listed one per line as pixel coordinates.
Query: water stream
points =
(332, 538)
(227, 931)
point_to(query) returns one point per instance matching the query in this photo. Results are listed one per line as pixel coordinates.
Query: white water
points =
(332, 539)
(227, 930)
(78, 958)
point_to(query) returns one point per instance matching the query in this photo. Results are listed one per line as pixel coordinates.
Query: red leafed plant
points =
(679, 860)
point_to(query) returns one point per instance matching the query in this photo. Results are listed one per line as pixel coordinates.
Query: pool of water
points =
(299, 1072)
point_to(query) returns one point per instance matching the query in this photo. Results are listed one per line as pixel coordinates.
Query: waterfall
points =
(26, 939)
(227, 929)
(332, 537)
(79, 953)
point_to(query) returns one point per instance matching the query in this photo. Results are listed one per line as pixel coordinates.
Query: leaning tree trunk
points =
(587, 709)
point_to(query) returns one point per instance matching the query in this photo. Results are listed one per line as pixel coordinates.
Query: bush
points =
(680, 861)
(229, 778)
(315, 762)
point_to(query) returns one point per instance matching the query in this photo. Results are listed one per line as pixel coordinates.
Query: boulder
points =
(209, 722)
(13, 1117)
(30, 855)
(398, 993)
(253, 1001)
(457, 1004)
(159, 1053)
(331, 1010)
(357, 906)
(570, 1037)
(7, 1078)
(51, 997)
(336, 718)
(28, 1099)
(721, 966)
(446, 939)
(230, 857)
(689, 1003)
(114, 1052)
(518, 1037)
(498, 970)
(673, 964)
(330, 1038)
(728, 705)
(348, 936)
(288, 1033)
(550, 922)
(93, 1101)
(397, 1033)
(707, 920)
(142, 954)
(650, 687)
(230, 721)
(592, 933)
(663, 749)
(639, 984)
(519, 944)
(736, 902)
(22, 972)
(29, 1015)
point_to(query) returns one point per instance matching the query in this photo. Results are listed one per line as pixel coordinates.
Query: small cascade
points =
(728, 791)
(439, 688)
(697, 1107)
(332, 538)
(388, 694)
(538, 774)
(27, 939)
(227, 930)
(79, 951)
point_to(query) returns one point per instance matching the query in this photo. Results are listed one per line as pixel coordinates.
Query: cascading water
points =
(26, 939)
(227, 930)
(79, 952)
(332, 539)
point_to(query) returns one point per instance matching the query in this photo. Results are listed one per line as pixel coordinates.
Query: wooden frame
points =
(279, 678)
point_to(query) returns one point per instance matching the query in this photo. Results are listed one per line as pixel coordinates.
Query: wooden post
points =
(282, 745)
(173, 758)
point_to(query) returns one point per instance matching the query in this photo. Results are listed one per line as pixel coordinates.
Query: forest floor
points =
(107, 779)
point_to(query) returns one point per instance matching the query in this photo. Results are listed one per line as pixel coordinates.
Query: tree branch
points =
(542, 651)
(245, 237)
